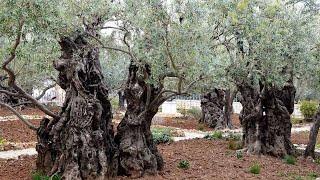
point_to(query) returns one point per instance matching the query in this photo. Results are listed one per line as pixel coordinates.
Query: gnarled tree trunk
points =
(228, 109)
(265, 118)
(79, 144)
(313, 136)
(138, 153)
(212, 105)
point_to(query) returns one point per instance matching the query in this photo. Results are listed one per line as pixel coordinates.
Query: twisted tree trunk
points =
(79, 144)
(265, 118)
(212, 105)
(138, 153)
(313, 136)
(229, 96)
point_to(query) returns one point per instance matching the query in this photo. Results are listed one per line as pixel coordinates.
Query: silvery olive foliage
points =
(192, 42)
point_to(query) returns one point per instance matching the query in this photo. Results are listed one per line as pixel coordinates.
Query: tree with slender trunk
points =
(313, 136)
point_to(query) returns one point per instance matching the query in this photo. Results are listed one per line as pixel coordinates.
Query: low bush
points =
(308, 109)
(161, 135)
(194, 112)
(239, 154)
(255, 169)
(214, 135)
(234, 145)
(234, 136)
(200, 127)
(114, 103)
(289, 159)
(40, 176)
(184, 164)
(312, 175)
(295, 120)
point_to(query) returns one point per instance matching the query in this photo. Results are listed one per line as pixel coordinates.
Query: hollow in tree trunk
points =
(138, 153)
(313, 136)
(212, 105)
(79, 144)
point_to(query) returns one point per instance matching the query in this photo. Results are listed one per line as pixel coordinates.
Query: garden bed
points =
(208, 159)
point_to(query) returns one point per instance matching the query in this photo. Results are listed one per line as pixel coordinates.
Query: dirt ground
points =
(209, 159)
(302, 138)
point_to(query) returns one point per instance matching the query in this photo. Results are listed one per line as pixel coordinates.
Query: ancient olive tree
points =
(77, 142)
(269, 45)
(168, 48)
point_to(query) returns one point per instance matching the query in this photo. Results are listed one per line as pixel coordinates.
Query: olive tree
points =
(270, 45)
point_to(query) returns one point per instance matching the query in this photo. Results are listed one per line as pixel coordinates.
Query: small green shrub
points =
(161, 135)
(234, 136)
(313, 175)
(114, 103)
(40, 176)
(255, 169)
(195, 113)
(214, 135)
(317, 146)
(182, 111)
(234, 145)
(239, 154)
(2, 141)
(317, 161)
(184, 164)
(295, 120)
(200, 127)
(308, 109)
(289, 159)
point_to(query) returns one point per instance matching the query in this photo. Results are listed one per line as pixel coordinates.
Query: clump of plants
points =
(308, 109)
(255, 169)
(296, 120)
(195, 113)
(161, 135)
(234, 136)
(239, 154)
(214, 135)
(184, 164)
(288, 159)
(200, 127)
(234, 145)
(40, 176)
(313, 175)
(2, 143)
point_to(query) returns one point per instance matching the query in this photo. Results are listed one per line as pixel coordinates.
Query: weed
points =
(255, 169)
(184, 164)
(234, 145)
(214, 135)
(289, 159)
(161, 135)
(239, 154)
(40, 176)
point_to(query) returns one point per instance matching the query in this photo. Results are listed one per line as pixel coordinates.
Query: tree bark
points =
(313, 136)
(79, 144)
(229, 96)
(121, 99)
(138, 153)
(265, 118)
(212, 105)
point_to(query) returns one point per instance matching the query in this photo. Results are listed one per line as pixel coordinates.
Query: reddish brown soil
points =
(17, 131)
(302, 138)
(191, 123)
(24, 111)
(209, 159)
